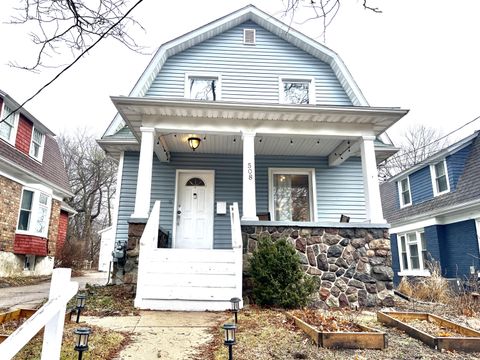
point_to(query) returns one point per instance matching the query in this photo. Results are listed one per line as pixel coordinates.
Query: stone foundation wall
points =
(354, 265)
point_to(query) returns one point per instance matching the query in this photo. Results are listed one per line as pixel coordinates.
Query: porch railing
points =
(51, 315)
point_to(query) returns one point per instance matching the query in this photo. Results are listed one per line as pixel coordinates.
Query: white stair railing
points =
(51, 315)
(237, 245)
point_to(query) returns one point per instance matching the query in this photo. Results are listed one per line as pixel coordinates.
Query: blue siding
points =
(339, 189)
(456, 164)
(459, 248)
(421, 185)
(249, 73)
(433, 236)
(395, 258)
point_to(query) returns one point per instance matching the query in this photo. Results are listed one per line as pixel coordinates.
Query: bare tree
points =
(92, 179)
(416, 144)
(319, 10)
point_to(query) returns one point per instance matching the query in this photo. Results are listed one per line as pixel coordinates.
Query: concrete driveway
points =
(166, 335)
(31, 295)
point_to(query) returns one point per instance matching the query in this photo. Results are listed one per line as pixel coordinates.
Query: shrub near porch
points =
(352, 263)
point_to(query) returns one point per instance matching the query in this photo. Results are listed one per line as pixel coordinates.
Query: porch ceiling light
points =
(194, 142)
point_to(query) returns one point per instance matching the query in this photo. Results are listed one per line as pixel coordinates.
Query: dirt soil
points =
(433, 329)
(267, 334)
(22, 280)
(327, 321)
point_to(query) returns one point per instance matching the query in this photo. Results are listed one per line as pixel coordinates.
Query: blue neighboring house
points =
(434, 211)
(246, 110)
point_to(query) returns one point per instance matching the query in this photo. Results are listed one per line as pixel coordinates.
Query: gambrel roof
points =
(248, 13)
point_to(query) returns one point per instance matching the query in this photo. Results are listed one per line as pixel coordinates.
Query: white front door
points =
(194, 213)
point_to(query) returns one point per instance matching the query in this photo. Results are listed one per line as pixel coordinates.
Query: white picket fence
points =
(51, 315)
(188, 279)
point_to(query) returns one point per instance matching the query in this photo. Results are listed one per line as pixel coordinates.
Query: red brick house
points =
(33, 186)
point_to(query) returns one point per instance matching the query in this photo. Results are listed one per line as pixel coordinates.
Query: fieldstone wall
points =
(354, 265)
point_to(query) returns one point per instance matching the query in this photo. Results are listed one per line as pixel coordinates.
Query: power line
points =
(434, 141)
(102, 36)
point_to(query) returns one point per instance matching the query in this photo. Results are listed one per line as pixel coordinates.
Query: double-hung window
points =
(34, 212)
(8, 124)
(292, 194)
(440, 178)
(404, 192)
(413, 253)
(297, 91)
(36, 145)
(203, 87)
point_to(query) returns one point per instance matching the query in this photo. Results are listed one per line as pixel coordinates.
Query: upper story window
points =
(249, 36)
(292, 194)
(440, 178)
(297, 91)
(8, 127)
(34, 212)
(404, 192)
(37, 144)
(412, 247)
(202, 87)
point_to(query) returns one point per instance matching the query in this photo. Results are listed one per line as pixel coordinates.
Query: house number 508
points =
(250, 171)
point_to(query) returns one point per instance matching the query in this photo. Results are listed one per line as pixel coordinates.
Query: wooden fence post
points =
(52, 338)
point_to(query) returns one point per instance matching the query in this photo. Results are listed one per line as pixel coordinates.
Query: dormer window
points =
(404, 192)
(440, 178)
(36, 145)
(297, 91)
(202, 87)
(8, 124)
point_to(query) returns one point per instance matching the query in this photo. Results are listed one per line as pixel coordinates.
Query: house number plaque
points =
(250, 171)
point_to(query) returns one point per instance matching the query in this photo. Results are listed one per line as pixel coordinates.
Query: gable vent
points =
(249, 36)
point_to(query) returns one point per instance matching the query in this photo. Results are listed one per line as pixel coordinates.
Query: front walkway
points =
(166, 335)
(30, 296)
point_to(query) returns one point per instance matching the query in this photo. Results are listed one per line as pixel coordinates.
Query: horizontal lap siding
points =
(456, 165)
(249, 73)
(421, 185)
(339, 189)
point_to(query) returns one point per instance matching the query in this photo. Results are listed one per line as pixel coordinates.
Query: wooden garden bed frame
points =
(18, 314)
(470, 342)
(368, 339)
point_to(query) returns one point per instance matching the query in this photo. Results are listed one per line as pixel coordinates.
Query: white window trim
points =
(294, 171)
(15, 123)
(36, 189)
(42, 147)
(207, 75)
(254, 36)
(399, 185)
(311, 90)
(407, 271)
(434, 178)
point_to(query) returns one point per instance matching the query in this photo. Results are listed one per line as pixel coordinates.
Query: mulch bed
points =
(22, 280)
(326, 321)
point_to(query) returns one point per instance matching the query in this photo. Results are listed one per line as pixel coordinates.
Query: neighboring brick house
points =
(434, 211)
(33, 186)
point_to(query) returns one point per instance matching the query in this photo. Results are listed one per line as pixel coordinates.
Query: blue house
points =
(434, 211)
(244, 127)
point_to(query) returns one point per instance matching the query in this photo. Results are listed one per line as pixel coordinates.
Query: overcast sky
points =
(418, 55)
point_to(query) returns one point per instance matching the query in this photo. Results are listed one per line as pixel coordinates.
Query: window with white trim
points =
(404, 192)
(440, 178)
(292, 194)
(249, 36)
(297, 91)
(203, 87)
(34, 213)
(8, 127)
(36, 145)
(412, 247)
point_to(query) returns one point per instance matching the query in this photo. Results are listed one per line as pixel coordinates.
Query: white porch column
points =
(249, 204)
(144, 178)
(373, 202)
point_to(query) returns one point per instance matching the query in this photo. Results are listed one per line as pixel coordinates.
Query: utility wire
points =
(434, 141)
(73, 63)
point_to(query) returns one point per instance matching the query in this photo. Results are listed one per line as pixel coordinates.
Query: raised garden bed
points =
(332, 332)
(11, 320)
(435, 331)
